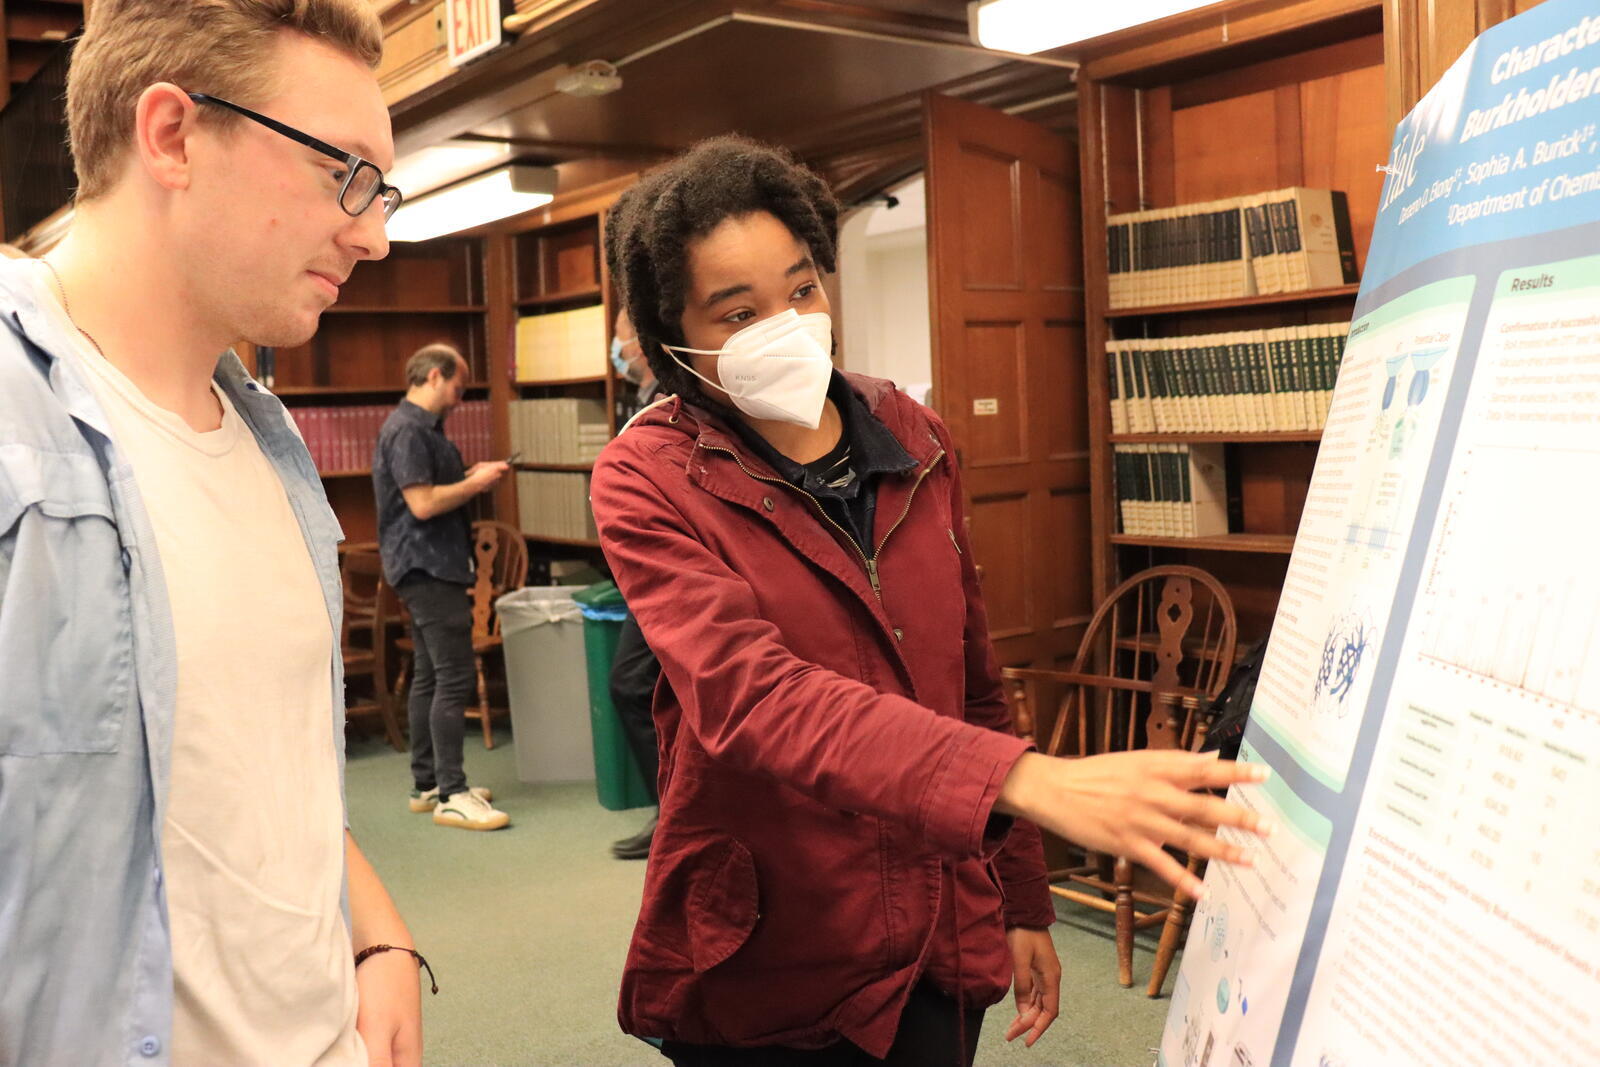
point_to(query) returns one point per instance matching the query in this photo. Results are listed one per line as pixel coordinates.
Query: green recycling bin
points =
(617, 779)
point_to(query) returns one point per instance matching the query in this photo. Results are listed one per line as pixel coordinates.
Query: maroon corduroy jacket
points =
(833, 739)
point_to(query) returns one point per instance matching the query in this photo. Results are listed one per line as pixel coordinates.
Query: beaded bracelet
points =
(374, 949)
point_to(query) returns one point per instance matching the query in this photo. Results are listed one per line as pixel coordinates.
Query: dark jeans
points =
(633, 685)
(443, 679)
(927, 1037)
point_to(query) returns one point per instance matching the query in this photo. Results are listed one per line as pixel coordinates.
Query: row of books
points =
(555, 504)
(1248, 380)
(562, 345)
(345, 438)
(1172, 490)
(559, 430)
(1285, 241)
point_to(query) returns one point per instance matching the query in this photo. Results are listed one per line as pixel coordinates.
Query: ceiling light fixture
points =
(420, 172)
(1029, 26)
(499, 194)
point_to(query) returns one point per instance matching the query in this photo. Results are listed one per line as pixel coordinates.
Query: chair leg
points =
(483, 704)
(403, 679)
(391, 723)
(1171, 933)
(1124, 882)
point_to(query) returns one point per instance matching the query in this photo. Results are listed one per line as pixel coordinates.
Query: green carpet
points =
(527, 929)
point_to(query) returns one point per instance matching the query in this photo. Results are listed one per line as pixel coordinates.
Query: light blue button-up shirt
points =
(88, 688)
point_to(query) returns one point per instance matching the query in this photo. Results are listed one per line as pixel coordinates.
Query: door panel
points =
(1000, 522)
(994, 376)
(990, 179)
(1005, 268)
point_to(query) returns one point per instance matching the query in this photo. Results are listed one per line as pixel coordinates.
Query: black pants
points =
(443, 679)
(633, 685)
(927, 1037)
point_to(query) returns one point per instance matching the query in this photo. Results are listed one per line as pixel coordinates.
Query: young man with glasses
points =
(176, 880)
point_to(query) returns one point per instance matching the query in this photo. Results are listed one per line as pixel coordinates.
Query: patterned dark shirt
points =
(413, 450)
(845, 481)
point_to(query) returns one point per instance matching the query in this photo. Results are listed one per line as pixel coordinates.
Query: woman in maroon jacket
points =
(840, 874)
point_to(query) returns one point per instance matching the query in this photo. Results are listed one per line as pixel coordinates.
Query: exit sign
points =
(472, 27)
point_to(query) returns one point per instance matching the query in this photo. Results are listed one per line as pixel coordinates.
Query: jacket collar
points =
(891, 408)
(874, 450)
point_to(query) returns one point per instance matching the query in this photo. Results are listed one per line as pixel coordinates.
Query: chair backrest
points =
(361, 575)
(369, 602)
(502, 556)
(1170, 630)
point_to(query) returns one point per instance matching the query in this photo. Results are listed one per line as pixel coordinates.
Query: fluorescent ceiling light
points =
(438, 165)
(1029, 26)
(496, 195)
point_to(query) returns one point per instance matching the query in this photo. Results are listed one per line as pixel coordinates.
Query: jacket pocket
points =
(66, 635)
(723, 906)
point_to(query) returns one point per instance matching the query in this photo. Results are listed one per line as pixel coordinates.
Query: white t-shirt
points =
(253, 843)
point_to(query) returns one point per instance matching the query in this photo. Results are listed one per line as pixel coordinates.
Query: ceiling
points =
(839, 83)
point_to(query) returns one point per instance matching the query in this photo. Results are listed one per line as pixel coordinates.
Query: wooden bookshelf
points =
(420, 293)
(571, 542)
(358, 309)
(1297, 99)
(551, 261)
(580, 468)
(1307, 296)
(559, 383)
(1267, 544)
(586, 294)
(1243, 437)
(299, 391)
(468, 291)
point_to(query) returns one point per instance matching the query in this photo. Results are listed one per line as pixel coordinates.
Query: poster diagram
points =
(1380, 523)
(1430, 699)
(1381, 431)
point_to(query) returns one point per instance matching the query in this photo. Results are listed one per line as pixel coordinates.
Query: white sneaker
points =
(421, 802)
(468, 811)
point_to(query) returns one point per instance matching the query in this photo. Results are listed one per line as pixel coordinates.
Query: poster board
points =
(1430, 698)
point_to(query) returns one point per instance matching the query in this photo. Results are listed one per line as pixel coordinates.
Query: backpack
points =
(1232, 705)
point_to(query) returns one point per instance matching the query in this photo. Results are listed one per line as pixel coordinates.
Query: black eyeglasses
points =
(363, 181)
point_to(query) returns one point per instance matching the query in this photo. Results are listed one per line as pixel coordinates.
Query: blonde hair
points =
(222, 47)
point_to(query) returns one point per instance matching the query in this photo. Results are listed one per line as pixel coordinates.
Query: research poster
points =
(1430, 698)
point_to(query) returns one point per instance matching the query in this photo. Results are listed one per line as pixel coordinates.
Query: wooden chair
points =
(369, 605)
(502, 556)
(1155, 654)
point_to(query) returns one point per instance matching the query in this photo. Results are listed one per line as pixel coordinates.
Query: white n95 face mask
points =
(777, 368)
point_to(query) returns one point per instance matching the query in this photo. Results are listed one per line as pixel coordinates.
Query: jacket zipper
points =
(927, 469)
(870, 562)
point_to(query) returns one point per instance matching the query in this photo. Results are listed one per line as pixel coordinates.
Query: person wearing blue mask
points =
(627, 359)
(635, 671)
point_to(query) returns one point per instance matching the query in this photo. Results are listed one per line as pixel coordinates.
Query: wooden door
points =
(1005, 273)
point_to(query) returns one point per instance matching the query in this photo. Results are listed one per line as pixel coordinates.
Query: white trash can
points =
(548, 683)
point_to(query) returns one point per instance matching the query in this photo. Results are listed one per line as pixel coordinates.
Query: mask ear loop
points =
(673, 351)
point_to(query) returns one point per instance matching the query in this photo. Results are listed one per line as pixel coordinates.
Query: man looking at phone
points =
(425, 538)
